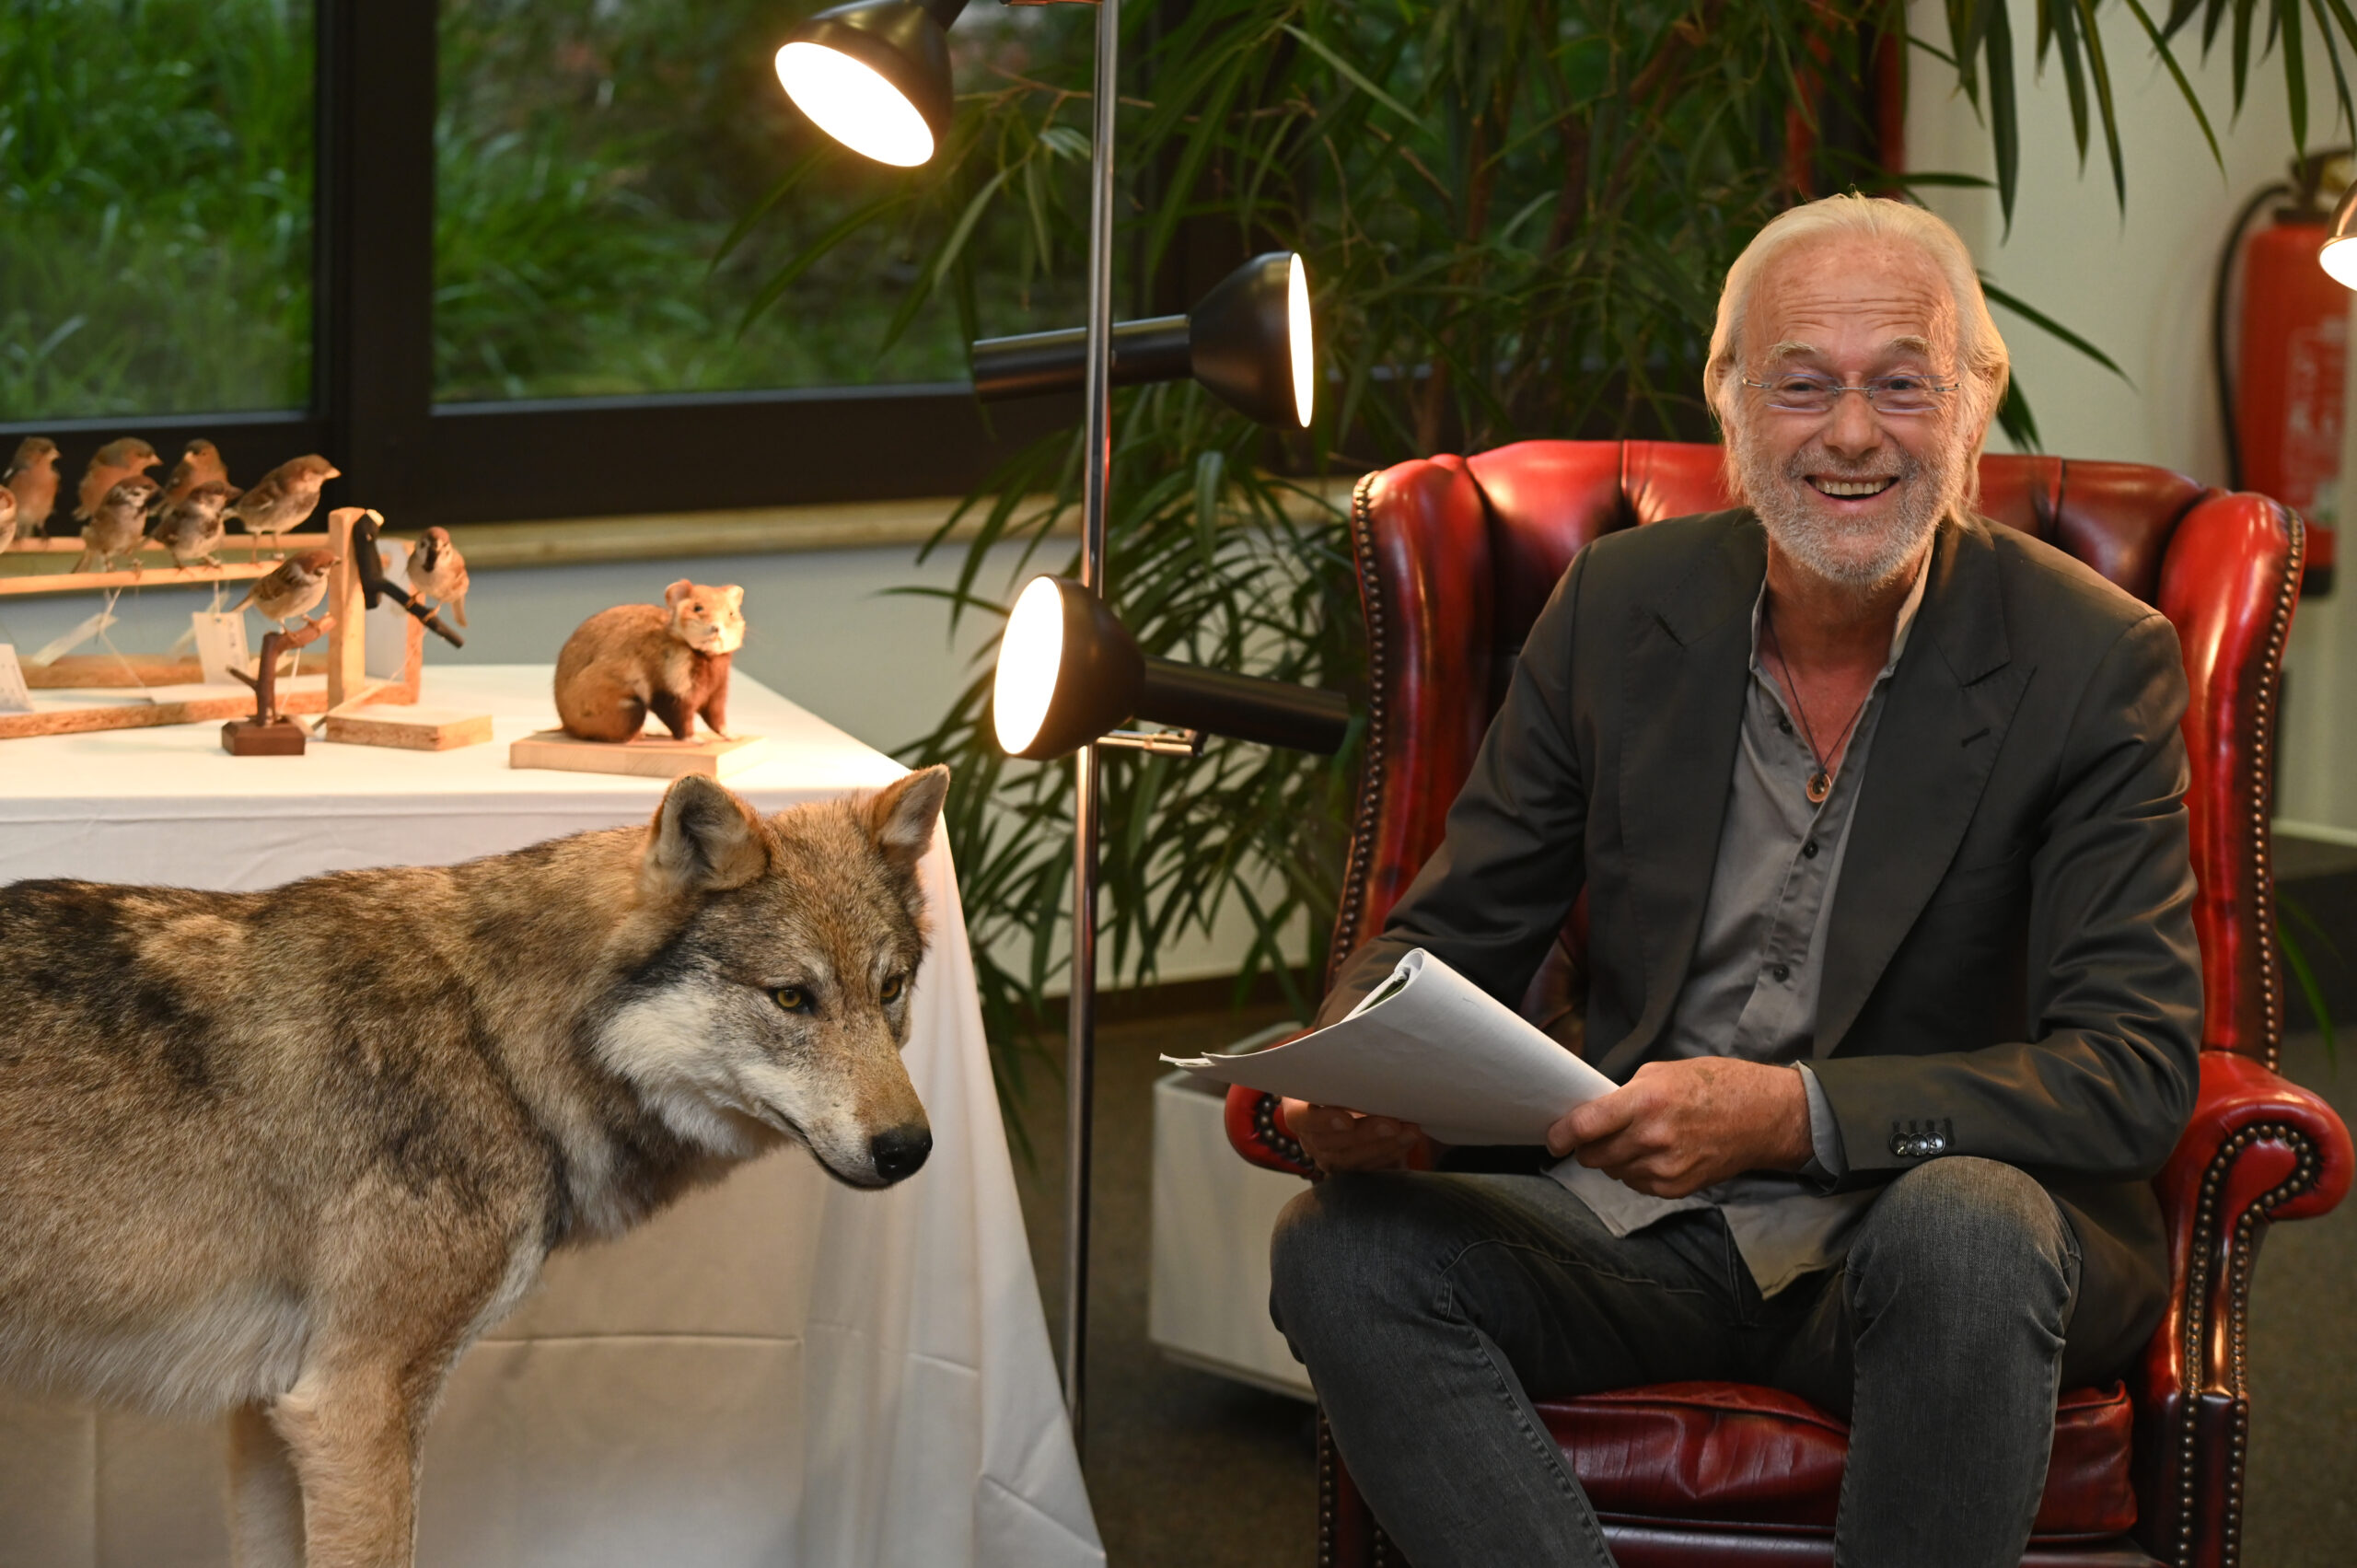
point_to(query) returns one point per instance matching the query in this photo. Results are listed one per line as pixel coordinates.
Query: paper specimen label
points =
(220, 646)
(14, 696)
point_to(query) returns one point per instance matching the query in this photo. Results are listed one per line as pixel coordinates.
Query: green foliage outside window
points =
(591, 160)
(155, 206)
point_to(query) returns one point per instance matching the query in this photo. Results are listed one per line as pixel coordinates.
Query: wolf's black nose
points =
(900, 1151)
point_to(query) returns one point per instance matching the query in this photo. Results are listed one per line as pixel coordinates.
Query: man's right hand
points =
(1336, 1139)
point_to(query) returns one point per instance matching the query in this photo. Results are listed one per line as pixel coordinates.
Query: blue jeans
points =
(1430, 1308)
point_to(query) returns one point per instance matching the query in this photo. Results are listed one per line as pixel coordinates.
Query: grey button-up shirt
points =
(1758, 961)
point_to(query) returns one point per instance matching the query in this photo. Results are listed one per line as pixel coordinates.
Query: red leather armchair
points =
(1456, 556)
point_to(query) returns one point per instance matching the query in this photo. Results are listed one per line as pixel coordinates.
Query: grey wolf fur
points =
(287, 1153)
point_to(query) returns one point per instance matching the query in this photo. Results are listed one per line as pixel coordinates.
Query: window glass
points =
(593, 157)
(155, 206)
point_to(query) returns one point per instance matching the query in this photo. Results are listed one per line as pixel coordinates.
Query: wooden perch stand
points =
(269, 733)
(362, 712)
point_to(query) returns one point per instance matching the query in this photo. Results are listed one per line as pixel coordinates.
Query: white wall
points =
(2138, 286)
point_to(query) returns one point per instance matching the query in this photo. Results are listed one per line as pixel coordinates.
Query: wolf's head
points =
(777, 1001)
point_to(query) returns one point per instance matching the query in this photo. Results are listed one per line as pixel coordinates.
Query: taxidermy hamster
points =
(670, 659)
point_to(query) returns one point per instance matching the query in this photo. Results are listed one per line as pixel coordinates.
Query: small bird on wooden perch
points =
(438, 571)
(294, 588)
(124, 458)
(192, 527)
(200, 464)
(284, 497)
(117, 525)
(32, 480)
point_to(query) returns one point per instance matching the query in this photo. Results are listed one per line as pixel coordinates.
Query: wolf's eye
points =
(893, 987)
(793, 998)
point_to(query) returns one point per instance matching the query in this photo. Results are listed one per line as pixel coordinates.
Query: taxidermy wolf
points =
(286, 1153)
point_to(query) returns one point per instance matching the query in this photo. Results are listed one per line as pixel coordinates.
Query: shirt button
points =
(1809, 850)
(1780, 972)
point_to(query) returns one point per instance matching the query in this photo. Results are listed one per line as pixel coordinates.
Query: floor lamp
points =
(874, 75)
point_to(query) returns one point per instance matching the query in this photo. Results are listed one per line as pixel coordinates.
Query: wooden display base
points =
(407, 727)
(246, 737)
(28, 568)
(143, 715)
(78, 672)
(646, 757)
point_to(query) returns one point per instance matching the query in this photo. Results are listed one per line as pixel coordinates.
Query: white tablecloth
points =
(778, 1371)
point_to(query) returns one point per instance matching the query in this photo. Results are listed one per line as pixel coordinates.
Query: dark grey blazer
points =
(2011, 969)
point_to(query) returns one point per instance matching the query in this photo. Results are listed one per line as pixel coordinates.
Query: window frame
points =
(372, 409)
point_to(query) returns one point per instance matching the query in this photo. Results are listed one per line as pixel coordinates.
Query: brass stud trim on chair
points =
(1326, 1498)
(2262, 793)
(1371, 776)
(1264, 1128)
(2242, 1255)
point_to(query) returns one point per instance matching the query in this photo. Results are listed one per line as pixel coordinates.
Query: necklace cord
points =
(1800, 709)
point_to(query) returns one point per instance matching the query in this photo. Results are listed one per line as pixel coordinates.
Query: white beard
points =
(1854, 558)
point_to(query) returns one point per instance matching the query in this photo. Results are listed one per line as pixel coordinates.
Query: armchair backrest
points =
(1456, 556)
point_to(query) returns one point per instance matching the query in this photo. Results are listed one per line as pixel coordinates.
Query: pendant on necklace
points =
(1819, 786)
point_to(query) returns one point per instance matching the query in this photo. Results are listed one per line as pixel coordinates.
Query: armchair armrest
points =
(1256, 1127)
(2258, 1148)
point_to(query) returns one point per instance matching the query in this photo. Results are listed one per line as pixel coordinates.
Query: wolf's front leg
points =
(354, 1437)
(266, 1499)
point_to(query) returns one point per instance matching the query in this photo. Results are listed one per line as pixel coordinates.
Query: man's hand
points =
(1335, 1139)
(1680, 1126)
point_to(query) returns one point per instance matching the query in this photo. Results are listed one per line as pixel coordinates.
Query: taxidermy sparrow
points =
(438, 571)
(118, 525)
(284, 497)
(200, 464)
(191, 527)
(109, 466)
(8, 518)
(294, 588)
(32, 480)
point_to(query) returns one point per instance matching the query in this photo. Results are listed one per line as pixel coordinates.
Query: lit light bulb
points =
(1305, 361)
(2338, 258)
(1029, 655)
(853, 104)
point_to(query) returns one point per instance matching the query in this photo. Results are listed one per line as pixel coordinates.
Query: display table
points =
(778, 1371)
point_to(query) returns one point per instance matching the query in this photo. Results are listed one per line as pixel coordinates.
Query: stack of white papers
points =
(1426, 1046)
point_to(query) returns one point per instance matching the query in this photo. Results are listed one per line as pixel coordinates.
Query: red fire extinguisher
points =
(2282, 404)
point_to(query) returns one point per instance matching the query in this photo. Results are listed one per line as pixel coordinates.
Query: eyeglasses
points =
(1884, 394)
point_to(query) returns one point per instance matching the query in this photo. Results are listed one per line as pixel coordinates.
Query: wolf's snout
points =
(900, 1151)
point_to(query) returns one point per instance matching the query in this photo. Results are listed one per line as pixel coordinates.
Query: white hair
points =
(1988, 366)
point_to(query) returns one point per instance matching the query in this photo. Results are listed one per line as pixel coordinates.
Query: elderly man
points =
(1878, 811)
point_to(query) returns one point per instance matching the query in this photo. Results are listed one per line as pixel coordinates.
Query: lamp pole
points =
(1080, 1016)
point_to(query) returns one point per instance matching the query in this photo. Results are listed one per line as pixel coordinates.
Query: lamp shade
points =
(1069, 671)
(2338, 254)
(874, 75)
(1250, 341)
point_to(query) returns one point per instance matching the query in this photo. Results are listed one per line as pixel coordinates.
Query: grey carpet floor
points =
(1187, 1469)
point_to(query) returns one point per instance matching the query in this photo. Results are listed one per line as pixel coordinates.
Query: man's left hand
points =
(1677, 1127)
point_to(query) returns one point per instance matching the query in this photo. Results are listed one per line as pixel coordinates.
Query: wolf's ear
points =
(703, 839)
(900, 816)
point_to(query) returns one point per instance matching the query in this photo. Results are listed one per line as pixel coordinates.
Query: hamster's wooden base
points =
(646, 757)
(407, 727)
(248, 738)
